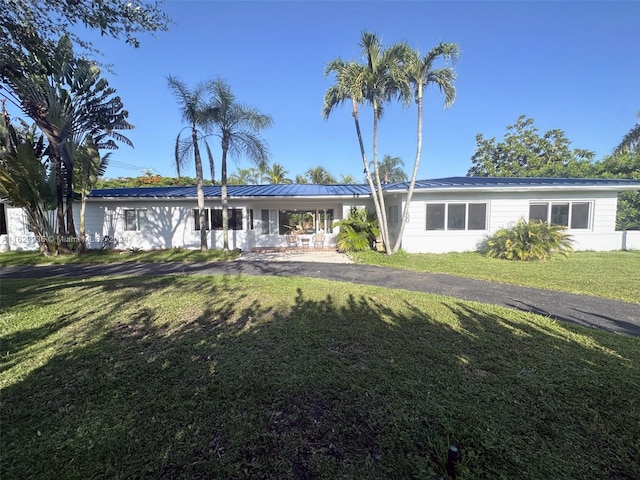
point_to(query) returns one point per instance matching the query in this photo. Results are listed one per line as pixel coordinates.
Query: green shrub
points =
(528, 241)
(358, 232)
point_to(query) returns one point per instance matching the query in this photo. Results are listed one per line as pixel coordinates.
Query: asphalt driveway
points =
(594, 312)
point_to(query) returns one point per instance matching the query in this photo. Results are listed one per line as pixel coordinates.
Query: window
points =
(435, 216)
(456, 216)
(196, 219)
(575, 215)
(305, 221)
(3, 220)
(477, 216)
(235, 219)
(580, 215)
(393, 214)
(135, 220)
(264, 218)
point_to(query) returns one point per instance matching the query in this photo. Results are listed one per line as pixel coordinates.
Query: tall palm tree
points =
(379, 80)
(196, 109)
(391, 169)
(421, 73)
(349, 87)
(320, 176)
(238, 126)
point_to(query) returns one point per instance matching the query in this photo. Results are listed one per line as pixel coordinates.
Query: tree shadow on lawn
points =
(325, 385)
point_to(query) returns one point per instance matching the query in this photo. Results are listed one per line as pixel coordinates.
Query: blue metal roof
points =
(307, 190)
(514, 182)
(289, 190)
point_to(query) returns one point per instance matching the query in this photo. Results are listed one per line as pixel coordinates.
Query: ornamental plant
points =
(358, 232)
(529, 241)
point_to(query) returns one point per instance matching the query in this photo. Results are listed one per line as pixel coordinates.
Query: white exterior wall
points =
(171, 224)
(505, 209)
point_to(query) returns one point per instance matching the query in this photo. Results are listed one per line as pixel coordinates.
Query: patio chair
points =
(292, 240)
(318, 240)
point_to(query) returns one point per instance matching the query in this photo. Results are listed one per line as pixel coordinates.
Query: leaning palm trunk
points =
(376, 201)
(414, 174)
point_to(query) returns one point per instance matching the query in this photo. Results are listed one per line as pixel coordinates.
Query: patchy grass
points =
(255, 377)
(614, 275)
(16, 258)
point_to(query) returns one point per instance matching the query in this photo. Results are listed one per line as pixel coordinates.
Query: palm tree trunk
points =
(382, 218)
(414, 174)
(224, 196)
(376, 202)
(200, 190)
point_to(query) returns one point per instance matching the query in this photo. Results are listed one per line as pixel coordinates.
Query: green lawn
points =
(273, 378)
(614, 275)
(16, 258)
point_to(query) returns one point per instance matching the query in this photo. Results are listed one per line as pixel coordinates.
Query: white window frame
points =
(551, 203)
(446, 227)
(140, 219)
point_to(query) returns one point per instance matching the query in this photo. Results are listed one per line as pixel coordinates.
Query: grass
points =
(614, 275)
(256, 377)
(17, 258)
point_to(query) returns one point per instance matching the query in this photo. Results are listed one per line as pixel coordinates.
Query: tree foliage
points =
(526, 153)
(624, 164)
(392, 169)
(320, 176)
(34, 26)
(68, 100)
(26, 181)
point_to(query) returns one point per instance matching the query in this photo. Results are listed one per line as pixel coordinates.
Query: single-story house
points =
(445, 215)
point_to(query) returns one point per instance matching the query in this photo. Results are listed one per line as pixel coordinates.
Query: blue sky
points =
(568, 65)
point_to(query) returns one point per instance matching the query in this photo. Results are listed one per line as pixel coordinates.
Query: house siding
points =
(170, 223)
(505, 209)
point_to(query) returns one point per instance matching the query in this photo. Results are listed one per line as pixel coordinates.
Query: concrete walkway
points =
(610, 315)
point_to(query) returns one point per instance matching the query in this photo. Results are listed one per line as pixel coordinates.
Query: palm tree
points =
(244, 176)
(391, 169)
(420, 74)
(196, 110)
(238, 126)
(377, 81)
(631, 141)
(347, 179)
(276, 174)
(301, 180)
(320, 176)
